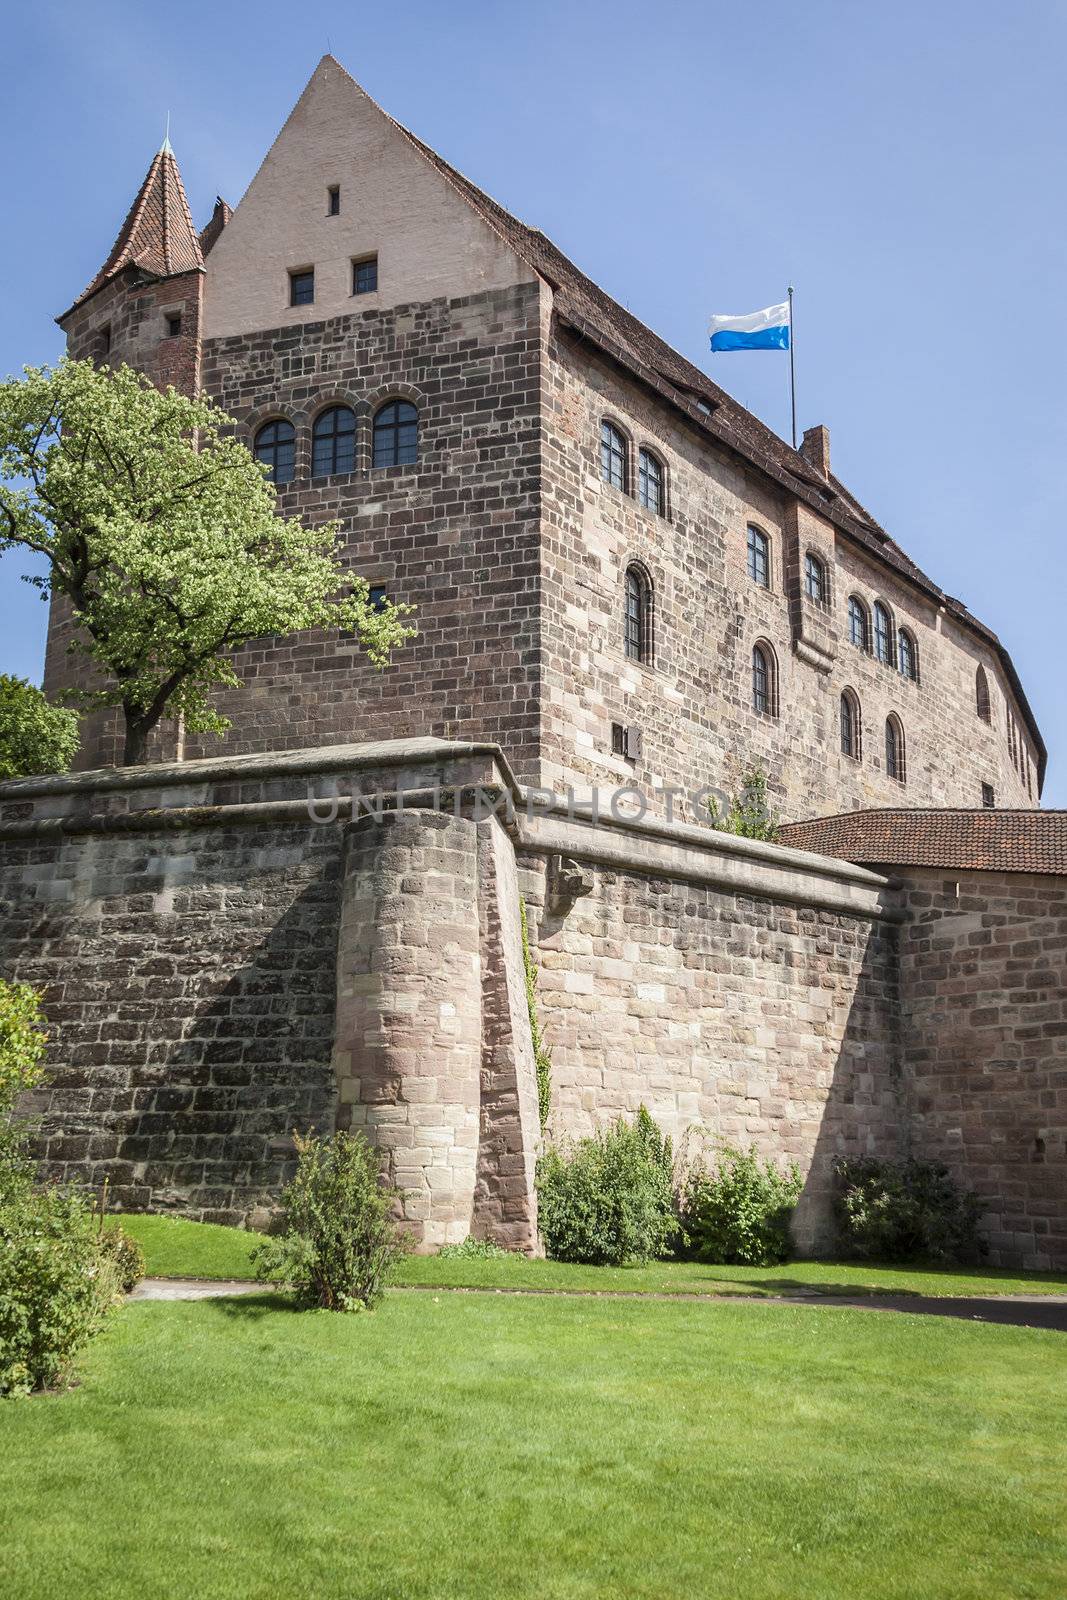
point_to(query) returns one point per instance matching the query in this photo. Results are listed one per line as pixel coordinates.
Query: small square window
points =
(618, 739)
(302, 287)
(989, 799)
(333, 200)
(365, 276)
(174, 326)
(377, 596)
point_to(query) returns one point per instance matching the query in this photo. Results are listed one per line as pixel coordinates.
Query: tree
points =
(748, 813)
(34, 735)
(160, 528)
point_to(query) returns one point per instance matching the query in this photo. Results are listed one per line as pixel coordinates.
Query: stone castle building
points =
(621, 578)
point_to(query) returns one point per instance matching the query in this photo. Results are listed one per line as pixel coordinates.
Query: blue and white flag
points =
(760, 330)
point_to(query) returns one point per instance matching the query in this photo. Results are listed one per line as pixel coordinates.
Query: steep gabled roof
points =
(979, 841)
(158, 237)
(585, 308)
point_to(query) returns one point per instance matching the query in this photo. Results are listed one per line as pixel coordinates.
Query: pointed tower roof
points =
(158, 237)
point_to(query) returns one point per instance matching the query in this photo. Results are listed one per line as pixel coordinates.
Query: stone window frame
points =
(645, 655)
(764, 651)
(273, 420)
(853, 749)
(857, 603)
(814, 554)
(609, 420)
(372, 405)
(908, 634)
(983, 700)
(321, 410)
(889, 659)
(768, 550)
(895, 728)
(646, 450)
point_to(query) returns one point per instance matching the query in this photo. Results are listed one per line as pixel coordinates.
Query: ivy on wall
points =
(542, 1054)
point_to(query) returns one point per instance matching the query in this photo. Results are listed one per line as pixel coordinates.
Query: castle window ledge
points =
(814, 654)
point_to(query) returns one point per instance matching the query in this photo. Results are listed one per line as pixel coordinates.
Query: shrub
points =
(35, 736)
(472, 1250)
(58, 1286)
(339, 1241)
(738, 1213)
(125, 1254)
(608, 1200)
(905, 1211)
(22, 1045)
(748, 812)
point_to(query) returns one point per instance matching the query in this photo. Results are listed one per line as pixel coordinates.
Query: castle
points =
(622, 579)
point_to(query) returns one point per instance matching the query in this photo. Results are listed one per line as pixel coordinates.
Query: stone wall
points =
(984, 973)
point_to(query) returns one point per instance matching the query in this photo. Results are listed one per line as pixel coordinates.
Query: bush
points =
(125, 1254)
(748, 812)
(738, 1213)
(472, 1250)
(58, 1286)
(608, 1200)
(22, 1045)
(35, 736)
(338, 1242)
(905, 1211)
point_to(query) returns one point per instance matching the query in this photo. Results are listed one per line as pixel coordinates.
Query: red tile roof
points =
(983, 841)
(158, 237)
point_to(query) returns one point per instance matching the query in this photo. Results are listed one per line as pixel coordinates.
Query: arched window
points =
(396, 434)
(276, 445)
(981, 695)
(859, 623)
(883, 634)
(759, 557)
(637, 620)
(613, 456)
(764, 687)
(815, 580)
(333, 442)
(907, 655)
(894, 750)
(851, 726)
(650, 483)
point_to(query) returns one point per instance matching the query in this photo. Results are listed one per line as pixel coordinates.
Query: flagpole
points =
(792, 370)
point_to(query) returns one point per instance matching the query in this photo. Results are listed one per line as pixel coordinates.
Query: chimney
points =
(815, 448)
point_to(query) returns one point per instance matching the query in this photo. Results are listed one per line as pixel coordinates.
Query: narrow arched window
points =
(613, 456)
(981, 695)
(894, 750)
(815, 580)
(650, 482)
(907, 655)
(637, 619)
(396, 434)
(851, 726)
(859, 627)
(333, 442)
(276, 445)
(883, 634)
(764, 695)
(759, 557)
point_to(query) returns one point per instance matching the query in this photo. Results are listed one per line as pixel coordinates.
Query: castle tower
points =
(144, 305)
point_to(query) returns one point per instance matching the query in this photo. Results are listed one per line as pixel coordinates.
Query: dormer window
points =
(333, 200)
(302, 287)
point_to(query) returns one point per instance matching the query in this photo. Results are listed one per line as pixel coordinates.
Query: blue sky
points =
(901, 165)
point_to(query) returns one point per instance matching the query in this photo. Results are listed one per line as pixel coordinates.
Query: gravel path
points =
(1020, 1311)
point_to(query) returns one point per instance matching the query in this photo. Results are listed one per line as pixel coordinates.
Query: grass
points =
(180, 1249)
(468, 1447)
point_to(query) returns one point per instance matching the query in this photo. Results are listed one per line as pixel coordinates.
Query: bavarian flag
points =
(759, 330)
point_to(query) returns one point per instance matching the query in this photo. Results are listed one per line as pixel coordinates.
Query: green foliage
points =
(160, 527)
(608, 1200)
(125, 1254)
(749, 813)
(473, 1250)
(905, 1211)
(58, 1286)
(738, 1211)
(542, 1054)
(35, 736)
(22, 1047)
(339, 1241)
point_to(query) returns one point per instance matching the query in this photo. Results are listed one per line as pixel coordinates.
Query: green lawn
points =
(457, 1447)
(175, 1248)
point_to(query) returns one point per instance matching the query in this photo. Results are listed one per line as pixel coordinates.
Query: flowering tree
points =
(160, 528)
(34, 736)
